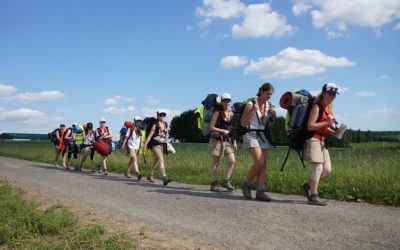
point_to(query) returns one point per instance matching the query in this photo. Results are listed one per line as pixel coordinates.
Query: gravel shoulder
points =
(182, 216)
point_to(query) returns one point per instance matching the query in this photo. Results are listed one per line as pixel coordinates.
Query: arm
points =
(247, 113)
(125, 140)
(312, 124)
(213, 122)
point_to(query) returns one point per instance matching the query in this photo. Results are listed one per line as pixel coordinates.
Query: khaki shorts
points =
(132, 152)
(158, 151)
(315, 151)
(217, 148)
(252, 140)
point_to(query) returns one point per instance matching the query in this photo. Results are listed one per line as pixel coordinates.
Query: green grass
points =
(24, 225)
(366, 172)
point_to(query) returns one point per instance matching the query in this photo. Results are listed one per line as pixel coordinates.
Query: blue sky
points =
(81, 60)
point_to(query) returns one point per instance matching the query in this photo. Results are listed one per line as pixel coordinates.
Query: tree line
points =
(184, 128)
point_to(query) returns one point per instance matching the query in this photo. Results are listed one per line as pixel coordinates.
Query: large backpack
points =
(238, 109)
(122, 133)
(52, 135)
(147, 124)
(298, 105)
(206, 111)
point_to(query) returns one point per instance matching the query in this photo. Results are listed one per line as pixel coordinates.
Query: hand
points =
(235, 146)
(329, 119)
(225, 132)
(272, 110)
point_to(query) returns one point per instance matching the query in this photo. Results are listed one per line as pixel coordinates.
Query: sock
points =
(260, 187)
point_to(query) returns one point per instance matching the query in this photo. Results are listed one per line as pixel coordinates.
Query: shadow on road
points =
(169, 190)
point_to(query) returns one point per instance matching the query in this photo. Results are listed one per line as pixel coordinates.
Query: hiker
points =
(316, 152)
(257, 116)
(103, 133)
(87, 146)
(133, 141)
(58, 145)
(221, 143)
(157, 141)
(71, 148)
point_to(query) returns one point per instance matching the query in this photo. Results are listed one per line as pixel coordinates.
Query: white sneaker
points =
(55, 164)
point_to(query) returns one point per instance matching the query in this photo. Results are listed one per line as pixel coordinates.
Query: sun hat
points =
(226, 96)
(331, 88)
(103, 120)
(137, 118)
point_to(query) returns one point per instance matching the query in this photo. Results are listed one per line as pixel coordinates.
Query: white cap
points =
(331, 88)
(138, 118)
(225, 96)
(103, 120)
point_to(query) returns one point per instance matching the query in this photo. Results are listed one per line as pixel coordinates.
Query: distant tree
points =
(184, 128)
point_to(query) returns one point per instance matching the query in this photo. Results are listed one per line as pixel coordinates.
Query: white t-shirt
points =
(254, 121)
(134, 140)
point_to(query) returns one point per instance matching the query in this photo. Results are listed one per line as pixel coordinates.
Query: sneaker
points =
(98, 169)
(93, 170)
(67, 167)
(76, 168)
(55, 164)
(246, 189)
(105, 172)
(262, 196)
(166, 180)
(226, 184)
(150, 178)
(138, 176)
(215, 187)
(306, 190)
(315, 200)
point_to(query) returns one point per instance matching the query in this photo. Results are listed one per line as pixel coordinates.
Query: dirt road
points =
(189, 216)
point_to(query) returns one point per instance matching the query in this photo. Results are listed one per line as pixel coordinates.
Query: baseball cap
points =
(103, 120)
(330, 87)
(226, 96)
(137, 118)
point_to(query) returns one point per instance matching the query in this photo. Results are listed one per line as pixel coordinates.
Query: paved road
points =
(224, 220)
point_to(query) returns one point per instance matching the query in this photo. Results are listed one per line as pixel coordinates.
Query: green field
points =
(25, 226)
(366, 172)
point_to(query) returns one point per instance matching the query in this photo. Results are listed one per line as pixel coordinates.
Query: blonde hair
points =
(320, 99)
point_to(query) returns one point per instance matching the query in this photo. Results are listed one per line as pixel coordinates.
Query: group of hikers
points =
(257, 116)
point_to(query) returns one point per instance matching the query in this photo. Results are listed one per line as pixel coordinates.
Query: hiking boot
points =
(138, 176)
(67, 167)
(315, 200)
(306, 190)
(227, 184)
(98, 169)
(215, 187)
(150, 178)
(76, 168)
(166, 180)
(55, 164)
(127, 174)
(262, 196)
(105, 172)
(246, 189)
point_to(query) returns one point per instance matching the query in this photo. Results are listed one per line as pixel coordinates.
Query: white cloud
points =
(233, 61)
(6, 89)
(301, 8)
(117, 99)
(119, 111)
(365, 94)
(153, 100)
(224, 9)
(342, 14)
(27, 116)
(44, 96)
(384, 77)
(397, 27)
(259, 21)
(292, 62)
(381, 113)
